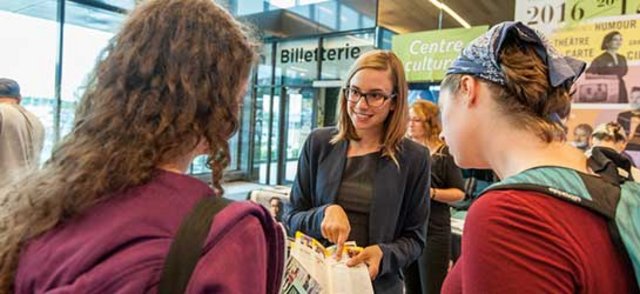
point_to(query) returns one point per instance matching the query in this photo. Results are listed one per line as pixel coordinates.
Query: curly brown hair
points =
(169, 79)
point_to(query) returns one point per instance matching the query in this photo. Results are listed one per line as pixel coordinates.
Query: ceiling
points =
(421, 15)
(400, 16)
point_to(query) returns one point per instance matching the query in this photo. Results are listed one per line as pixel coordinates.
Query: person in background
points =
(275, 208)
(610, 135)
(611, 63)
(21, 135)
(102, 213)
(630, 119)
(610, 140)
(364, 181)
(582, 137)
(426, 274)
(510, 83)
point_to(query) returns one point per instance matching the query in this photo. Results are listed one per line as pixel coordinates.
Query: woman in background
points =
(426, 274)
(612, 63)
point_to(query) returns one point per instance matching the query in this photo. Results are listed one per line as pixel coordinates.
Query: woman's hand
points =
(371, 256)
(335, 227)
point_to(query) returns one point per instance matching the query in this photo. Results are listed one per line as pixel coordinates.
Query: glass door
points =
(266, 136)
(299, 120)
(284, 118)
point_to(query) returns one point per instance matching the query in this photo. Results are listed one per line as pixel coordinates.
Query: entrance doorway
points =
(284, 118)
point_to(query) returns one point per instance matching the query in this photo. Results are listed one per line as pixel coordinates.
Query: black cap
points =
(9, 88)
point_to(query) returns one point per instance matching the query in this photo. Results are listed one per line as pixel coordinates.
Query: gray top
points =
(355, 193)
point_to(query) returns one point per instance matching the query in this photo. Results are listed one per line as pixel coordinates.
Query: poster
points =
(427, 55)
(594, 116)
(603, 33)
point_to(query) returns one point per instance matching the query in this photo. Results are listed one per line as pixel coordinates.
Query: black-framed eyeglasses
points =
(373, 99)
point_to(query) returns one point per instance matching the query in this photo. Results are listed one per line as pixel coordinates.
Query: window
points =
(87, 32)
(326, 14)
(28, 55)
(348, 18)
(246, 7)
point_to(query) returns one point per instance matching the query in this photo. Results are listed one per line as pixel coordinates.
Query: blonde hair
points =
(429, 114)
(395, 125)
(527, 99)
(169, 79)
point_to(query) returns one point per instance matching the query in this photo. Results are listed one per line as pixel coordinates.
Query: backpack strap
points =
(186, 248)
(596, 194)
(600, 195)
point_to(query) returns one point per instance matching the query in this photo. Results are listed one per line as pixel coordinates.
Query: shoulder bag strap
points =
(186, 248)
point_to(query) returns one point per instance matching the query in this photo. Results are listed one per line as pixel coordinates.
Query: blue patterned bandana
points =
(480, 58)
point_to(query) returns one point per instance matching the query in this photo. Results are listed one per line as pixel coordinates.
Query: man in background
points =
(275, 208)
(21, 134)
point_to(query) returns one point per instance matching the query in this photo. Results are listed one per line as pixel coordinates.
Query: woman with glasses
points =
(364, 181)
(426, 274)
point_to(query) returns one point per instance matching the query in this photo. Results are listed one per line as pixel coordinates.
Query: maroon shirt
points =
(120, 246)
(526, 242)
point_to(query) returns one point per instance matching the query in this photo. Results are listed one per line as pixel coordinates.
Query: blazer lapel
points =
(386, 201)
(330, 173)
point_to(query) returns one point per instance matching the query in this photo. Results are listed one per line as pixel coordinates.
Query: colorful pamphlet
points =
(313, 268)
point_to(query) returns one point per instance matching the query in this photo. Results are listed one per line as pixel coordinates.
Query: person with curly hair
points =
(102, 213)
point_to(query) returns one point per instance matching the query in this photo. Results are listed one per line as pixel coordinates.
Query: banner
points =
(603, 33)
(548, 15)
(427, 55)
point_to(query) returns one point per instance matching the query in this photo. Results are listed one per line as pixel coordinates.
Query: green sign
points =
(633, 7)
(576, 11)
(427, 55)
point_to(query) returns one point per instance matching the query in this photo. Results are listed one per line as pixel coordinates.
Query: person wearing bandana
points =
(504, 100)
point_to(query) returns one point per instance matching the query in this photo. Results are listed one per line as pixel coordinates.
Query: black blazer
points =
(399, 206)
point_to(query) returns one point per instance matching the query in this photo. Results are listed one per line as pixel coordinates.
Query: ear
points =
(202, 147)
(469, 90)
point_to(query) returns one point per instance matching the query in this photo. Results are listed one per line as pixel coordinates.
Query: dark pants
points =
(427, 274)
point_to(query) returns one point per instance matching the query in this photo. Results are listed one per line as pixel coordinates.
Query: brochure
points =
(313, 268)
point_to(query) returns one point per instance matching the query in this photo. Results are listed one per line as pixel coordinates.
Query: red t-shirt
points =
(527, 242)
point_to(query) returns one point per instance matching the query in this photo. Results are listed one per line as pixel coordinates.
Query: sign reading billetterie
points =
(427, 55)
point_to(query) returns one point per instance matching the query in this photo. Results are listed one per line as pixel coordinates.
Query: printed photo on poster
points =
(630, 120)
(584, 121)
(610, 65)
